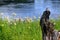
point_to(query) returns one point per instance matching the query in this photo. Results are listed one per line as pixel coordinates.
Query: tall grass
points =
(21, 30)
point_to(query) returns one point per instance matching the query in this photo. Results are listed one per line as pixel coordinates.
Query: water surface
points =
(32, 9)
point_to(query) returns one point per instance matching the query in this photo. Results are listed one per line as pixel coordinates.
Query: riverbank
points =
(22, 30)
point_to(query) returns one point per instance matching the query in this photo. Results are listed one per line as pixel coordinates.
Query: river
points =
(31, 9)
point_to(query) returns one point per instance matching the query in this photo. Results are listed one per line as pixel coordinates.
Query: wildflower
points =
(1, 14)
(8, 21)
(20, 19)
(14, 14)
(25, 17)
(34, 17)
(7, 18)
(28, 20)
(14, 23)
(11, 23)
(38, 18)
(17, 19)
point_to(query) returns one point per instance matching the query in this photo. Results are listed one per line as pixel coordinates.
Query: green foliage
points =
(22, 30)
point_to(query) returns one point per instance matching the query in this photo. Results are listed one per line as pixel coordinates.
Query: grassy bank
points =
(22, 30)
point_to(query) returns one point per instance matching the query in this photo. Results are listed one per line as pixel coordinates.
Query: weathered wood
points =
(55, 35)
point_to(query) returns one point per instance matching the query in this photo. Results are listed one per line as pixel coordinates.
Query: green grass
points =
(22, 30)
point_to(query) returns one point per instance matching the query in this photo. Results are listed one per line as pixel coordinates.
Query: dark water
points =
(31, 9)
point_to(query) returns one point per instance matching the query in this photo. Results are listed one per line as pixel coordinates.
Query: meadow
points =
(22, 30)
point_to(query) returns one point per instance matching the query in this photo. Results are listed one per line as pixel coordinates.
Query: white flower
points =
(1, 14)
(17, 19)
(14, 14)
(34, 17)
(28, 19)
(39, 17)
(11, 23)
(14, 23)
(25, 17)
(7, 18)
(20, 19)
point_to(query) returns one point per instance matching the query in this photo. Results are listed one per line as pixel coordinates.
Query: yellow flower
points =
(39, 17)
